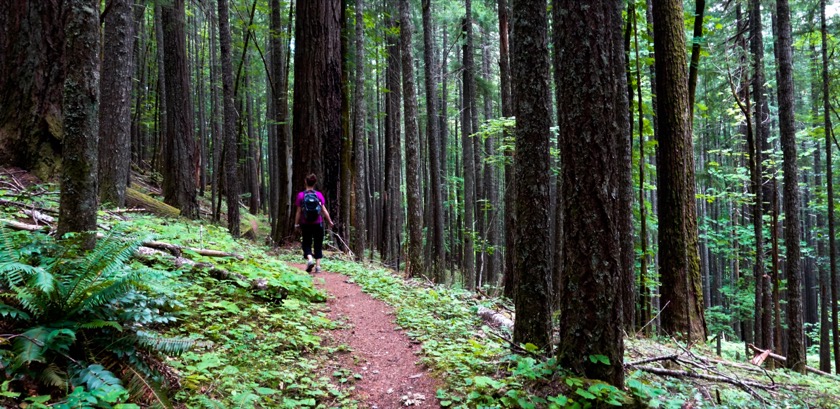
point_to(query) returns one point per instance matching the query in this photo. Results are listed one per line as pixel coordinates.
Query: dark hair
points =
(311, 180)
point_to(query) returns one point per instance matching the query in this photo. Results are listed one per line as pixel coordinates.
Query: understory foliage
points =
(479, 370)
(80, 321)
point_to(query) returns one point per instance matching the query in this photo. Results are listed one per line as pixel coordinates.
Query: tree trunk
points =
(390, 218)
(115, 92)
(179, 176)
(679, 256)
(31, 86)
(360, 225)
(787, 130)
(468, 148)
(433, 137)
(593, 123)
(510, 181)
(79, 185)
(530, 55)
(280, 69)
(230, 147)
(416, 264)
(317, 96)
(215, 116)
(829, 177)
(345, 191)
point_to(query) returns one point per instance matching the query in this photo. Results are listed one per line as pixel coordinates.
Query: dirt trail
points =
(381, 353)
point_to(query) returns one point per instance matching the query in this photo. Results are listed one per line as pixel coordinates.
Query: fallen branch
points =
(745, 385)
(38, 216)
(27, 206)
(671, 357)
(23, 226)
(784, 359)
(176, 250)
(494, 318)
(264, 290)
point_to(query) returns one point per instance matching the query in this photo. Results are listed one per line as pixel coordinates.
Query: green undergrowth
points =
(478, 370)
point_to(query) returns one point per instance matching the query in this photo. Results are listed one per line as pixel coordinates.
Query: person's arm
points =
(326, 215)
(297, 218)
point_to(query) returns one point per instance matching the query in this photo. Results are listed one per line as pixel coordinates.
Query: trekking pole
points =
(344, 243)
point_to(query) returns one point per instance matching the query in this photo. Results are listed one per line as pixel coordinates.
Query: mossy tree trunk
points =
(115, 121)
(31, 85)
(229, 128)
(181, 165)
(593, 123)
(678, 236)
(79, 194)
(530, 72)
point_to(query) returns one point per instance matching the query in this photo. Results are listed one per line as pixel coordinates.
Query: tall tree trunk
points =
(115, 93)
(317, 96)
(593, 122)
(679, 256)
(345, 191)
(80, 100)
(693, 69)
(829, 178)
(510, 180)
(280, 70)
(530, 55)
(253, 150)
(416, 264)
(230, 143)
(179, 178)
(644, 286)
(762, 135)
(31, 86)
(216, 116)
(796, 358)
(557, 267)
(468, 150)
(433, 137)
(390, 218)
(627, 279)
(360, 225)
(491, 181)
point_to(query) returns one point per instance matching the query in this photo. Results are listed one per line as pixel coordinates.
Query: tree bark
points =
(360, 225)
(79, 185)
(317, 96)
(179, 176)
(468, 151)
(230, 147)
(433, 137)
(679, 256)
(115, 93)
(829, 177)
(797, 359)
(416, 264)
(593, 125)
(510, 181)
(530, 55)
(391, 221)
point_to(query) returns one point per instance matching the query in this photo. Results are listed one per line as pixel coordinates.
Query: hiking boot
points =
(309, 265)
(317, 269)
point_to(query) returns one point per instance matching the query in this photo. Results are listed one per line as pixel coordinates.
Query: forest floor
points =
(384, 356)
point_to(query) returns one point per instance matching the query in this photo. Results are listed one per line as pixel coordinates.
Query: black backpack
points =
(311, 206)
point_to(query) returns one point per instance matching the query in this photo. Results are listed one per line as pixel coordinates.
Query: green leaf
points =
(585, 394)
(266, 391)
(531, 347)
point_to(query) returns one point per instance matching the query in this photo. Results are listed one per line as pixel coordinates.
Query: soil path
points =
(384, 356)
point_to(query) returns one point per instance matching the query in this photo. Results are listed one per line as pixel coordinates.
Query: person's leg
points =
(306, 244)
(318, 238)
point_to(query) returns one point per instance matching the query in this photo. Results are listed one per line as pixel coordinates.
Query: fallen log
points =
(173, 249)
(135, 198)
(783, 359)
(494, 318)
(259, 286)
(176, 250)
(24, 226)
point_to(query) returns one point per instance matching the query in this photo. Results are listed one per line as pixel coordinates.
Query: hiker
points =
(309, 219)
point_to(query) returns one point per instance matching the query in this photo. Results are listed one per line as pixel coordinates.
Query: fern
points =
(140, 384)
(169, 346)
(54, 376)
(12, 312)
(95, 376)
